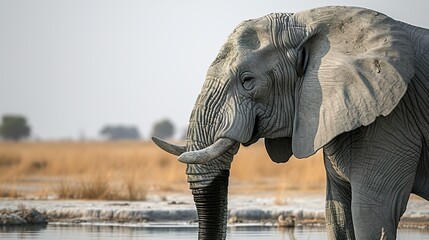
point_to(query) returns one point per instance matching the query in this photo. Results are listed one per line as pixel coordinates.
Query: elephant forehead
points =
(248, 36)
(251, 34)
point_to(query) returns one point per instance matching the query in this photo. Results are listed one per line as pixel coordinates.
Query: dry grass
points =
(10, 192)
(99, 188)
(253, 165)
(128, 170)
(94, 189)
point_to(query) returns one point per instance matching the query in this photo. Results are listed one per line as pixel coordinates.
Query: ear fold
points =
(302, 61)
(279, 149)
(359, 66)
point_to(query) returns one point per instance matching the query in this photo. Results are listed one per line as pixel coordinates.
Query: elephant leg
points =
(339, 223)
(381, 184)
(373, 216)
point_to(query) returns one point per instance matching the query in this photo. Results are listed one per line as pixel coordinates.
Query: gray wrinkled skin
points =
(349, 80)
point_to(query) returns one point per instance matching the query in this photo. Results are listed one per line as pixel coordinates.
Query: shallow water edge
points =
(178, 210)
(168, 231)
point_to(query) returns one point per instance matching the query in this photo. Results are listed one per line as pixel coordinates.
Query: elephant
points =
(351, 81)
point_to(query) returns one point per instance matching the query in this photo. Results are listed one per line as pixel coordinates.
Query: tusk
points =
(209, 153)
(168, 147)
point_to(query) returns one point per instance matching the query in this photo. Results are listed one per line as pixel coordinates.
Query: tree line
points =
(16, 127)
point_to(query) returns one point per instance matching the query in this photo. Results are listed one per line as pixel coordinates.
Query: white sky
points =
(73, 66)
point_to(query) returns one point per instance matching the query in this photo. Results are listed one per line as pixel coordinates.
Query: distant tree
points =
(163, 129)
(14, 127)
(120, 132)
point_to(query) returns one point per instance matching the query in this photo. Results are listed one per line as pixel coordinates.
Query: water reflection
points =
(268, 232)
(158, 232)
(22, 232)
(25, 228)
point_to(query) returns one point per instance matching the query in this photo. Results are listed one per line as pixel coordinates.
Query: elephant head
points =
(297, 80)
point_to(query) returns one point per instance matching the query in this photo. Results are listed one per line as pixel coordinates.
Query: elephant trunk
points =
(208, 179)
(211, 202)
(209, 185)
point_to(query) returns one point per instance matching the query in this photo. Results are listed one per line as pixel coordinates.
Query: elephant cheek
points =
(238, 124)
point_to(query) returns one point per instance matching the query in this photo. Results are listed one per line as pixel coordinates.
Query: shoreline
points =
(178, 210)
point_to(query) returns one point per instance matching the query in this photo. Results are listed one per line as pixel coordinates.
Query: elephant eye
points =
(248, 82)
(247, 79)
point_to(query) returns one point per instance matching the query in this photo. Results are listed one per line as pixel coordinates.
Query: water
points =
(90, 232)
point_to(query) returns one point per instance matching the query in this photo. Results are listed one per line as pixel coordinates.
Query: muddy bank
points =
(22, 216)
(306, 208)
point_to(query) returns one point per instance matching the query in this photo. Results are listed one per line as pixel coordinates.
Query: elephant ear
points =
(359, 66)
(279, 149)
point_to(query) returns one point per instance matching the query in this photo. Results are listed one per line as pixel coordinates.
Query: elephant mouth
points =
(256, 134)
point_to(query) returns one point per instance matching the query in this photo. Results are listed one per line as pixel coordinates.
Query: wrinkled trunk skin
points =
(212, 209)
(209, 185)
(209, 181)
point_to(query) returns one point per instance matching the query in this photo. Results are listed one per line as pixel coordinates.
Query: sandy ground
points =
(307, 208)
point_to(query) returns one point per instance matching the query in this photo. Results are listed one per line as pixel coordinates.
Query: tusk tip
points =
(209, 153)
(181, 159)
(188, 158)
(156, 139)
(168, 147)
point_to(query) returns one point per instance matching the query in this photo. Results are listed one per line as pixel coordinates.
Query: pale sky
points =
(73, 66)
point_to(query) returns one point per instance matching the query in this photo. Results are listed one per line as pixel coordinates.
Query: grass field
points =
(130, 170)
